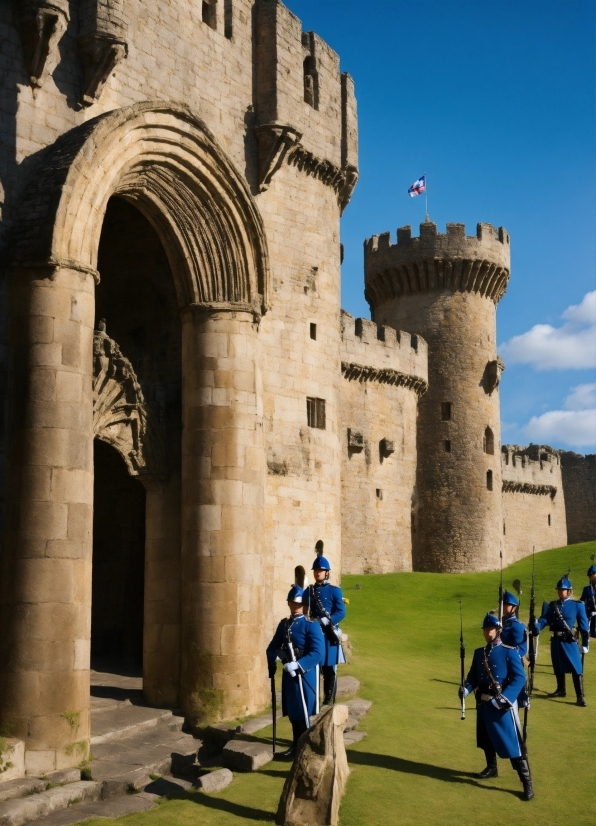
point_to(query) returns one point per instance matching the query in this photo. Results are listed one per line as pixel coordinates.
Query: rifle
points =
(501, 589)
(462, 657)
(274, 708)
(531, 652)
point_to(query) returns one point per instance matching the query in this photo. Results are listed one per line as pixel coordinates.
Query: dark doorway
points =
(118, 565)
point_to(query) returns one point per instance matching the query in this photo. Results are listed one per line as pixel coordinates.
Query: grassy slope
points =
(415, 766)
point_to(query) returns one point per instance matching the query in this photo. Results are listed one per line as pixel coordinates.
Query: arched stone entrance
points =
(163, 160)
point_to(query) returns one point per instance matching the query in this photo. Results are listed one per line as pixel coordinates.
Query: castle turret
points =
(446, 288)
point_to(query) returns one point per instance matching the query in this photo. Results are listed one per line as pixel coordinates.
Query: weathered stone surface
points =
(215, 738)
(21, 786)
(215, 781)
(357, 708)
(534, 502)
(445, 287)
(258, 723)
(579, 483)
(313, 789)
(12, 759)
(64, 776)
(24, 810)
(243, 756)
(346, 686)
(351, 737)
(116, 807)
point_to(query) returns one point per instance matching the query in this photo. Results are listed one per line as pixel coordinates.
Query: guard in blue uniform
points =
(588, 598)
(562, 615)
(515, 635)
(324, 603)
(497, 676)
(299, 645)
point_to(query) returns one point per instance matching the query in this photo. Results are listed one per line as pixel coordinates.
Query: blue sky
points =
(496, 102)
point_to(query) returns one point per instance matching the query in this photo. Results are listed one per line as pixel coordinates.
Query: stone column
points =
(46, 565)
(161, 627)
(224, 570)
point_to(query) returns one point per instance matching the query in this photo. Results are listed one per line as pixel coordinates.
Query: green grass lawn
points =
(415, 767)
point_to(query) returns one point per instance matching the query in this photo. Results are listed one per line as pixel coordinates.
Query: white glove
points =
(291, 668)
(593, 614)
(585, 649)
(499, 702)
(324, 621)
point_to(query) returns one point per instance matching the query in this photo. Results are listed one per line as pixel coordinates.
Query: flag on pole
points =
(418, 187)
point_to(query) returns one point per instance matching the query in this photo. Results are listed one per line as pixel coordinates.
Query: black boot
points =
(491, 769)
(522, 767)
(578, 684)
(560, 692)
(328, 684)
(298, 729)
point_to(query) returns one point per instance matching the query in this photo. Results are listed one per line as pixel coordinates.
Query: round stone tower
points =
(446, 288)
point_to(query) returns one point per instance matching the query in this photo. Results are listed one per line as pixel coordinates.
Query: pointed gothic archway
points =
(164, 160)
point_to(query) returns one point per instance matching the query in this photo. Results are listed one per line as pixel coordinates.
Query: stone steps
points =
(27, 809)
(125, 721)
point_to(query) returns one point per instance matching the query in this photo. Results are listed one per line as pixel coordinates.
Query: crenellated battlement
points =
(305, 106)
(532, 469)
(374, 352)
(437, 261)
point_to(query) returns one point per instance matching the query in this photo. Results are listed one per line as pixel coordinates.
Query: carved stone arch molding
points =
(121, 416)
(164, 159)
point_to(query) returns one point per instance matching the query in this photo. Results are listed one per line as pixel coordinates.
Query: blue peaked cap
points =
(564, 582)
(490, 621)
(591, 570)
(509, 598)
(295, 594)
(321, 564)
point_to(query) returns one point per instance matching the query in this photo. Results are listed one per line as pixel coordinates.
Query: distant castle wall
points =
(384, 373)
(533, 500)
(579, 482)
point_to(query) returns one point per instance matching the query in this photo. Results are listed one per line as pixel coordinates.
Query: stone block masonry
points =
(534, 501)
(579, 483)
(384, 374)
(445, 287)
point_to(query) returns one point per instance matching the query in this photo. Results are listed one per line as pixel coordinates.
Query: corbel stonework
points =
(41, 24)
(274, 140)
(121, 416)
(492, 374)
(279, 143)
(102, 44)
(383, 375)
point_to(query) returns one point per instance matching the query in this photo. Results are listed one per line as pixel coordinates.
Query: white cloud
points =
(570, 346)
(582, 397)
(573, 428)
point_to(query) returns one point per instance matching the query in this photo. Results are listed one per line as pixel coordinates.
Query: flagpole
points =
(426, 194)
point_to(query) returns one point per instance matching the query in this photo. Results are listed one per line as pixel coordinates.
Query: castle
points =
(187, 411)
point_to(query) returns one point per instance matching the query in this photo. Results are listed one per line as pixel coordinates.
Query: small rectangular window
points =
(549, 520)
(379, 493)
(504, 529)
(489, 480)
(228, 15)
(446, 411)
(315, 413)
(447, 445)
(209, 13)
(313, 332)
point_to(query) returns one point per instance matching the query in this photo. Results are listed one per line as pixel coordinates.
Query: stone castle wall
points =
(234, 134)
(384, 374)
(445, 287)
(534, 501)
(579, 482)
